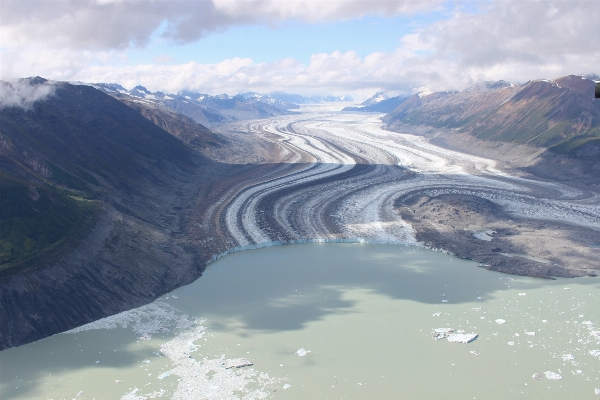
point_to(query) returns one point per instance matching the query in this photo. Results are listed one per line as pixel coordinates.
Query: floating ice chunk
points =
(132, 395)
(516, 334)
(500, 321)
(175, 297)
(437, 314)
(444, 301)
(462, 338)
(595, 333)
(476, 309)
(444, 295)
(522, 294)
(441, 333)
(237, 363)
(479, 298)
(597, 391)
(595, 353)
(511, 343)
(301, 352)
(97, 362)
(567, 357)
(287, 386)
(567, 288)
(544, 321)
(587, 323)
(537, 376)
(553, 376)
(530, 333)
(163, 375)
(118, 381)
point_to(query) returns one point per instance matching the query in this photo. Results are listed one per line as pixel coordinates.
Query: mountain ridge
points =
(215, 110)
(540, 113)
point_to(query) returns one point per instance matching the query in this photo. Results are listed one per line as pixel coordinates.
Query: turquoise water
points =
(363, 312)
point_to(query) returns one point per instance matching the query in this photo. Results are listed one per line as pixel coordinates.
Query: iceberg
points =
(553, 376)
(301, 352)
(462, 337)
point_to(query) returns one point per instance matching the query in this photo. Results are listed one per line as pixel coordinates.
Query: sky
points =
(355, 47)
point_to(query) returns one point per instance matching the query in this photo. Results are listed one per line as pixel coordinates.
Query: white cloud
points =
(120, 24)
(319, 10)
(23, 93)
(512, 40)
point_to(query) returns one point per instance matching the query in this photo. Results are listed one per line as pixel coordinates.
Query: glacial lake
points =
(330, 321)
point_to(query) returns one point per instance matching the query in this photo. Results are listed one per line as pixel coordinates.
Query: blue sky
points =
(355, 47)
(294, 39)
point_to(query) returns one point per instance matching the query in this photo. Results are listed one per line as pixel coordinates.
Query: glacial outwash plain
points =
(141, 199)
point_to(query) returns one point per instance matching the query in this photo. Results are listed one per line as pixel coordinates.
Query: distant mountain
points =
(265, 98)
(382, 106)
(202, 108)
(288, 100)
(546, 113)
(215, 110)
(376, 98)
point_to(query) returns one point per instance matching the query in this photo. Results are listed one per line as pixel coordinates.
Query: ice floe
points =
(146, 320)
(462, 338)
(301, 352)
(553, 376)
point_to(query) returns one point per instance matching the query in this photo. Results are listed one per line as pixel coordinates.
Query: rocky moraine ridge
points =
(148, 208)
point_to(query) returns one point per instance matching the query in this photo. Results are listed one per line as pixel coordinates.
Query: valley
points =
(164, 208)
(342, 177)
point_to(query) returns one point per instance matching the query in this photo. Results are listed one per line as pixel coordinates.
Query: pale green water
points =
(365, 312)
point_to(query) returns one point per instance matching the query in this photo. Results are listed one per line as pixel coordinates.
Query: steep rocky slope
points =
(539, 113)
(90, 222)
(182, 127)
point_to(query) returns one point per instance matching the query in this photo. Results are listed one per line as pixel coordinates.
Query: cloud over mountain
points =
(23, 93)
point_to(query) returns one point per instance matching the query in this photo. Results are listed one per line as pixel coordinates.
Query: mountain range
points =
(559, 114)
(215, 110)
(379, 103)
(94, 178)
